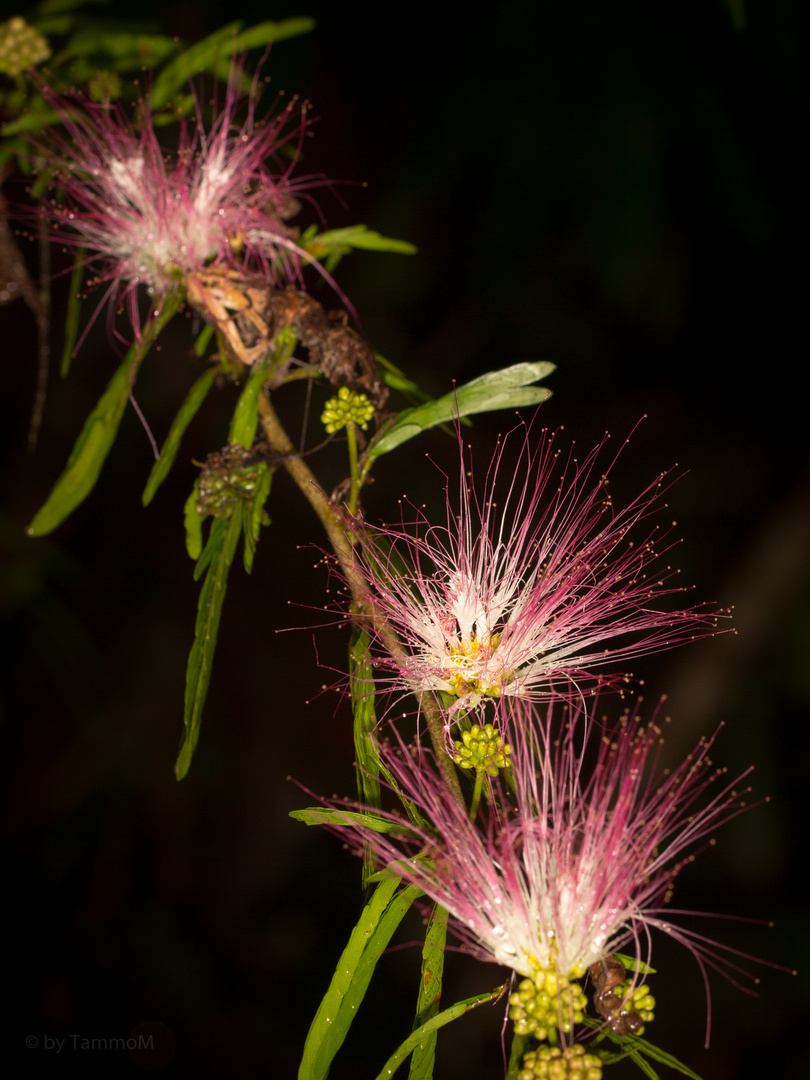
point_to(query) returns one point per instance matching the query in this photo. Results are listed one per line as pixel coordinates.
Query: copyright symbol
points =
(32, 1042)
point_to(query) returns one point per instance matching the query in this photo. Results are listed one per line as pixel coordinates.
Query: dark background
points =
(614, 187)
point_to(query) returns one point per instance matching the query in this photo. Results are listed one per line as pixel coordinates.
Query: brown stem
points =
(304, 477)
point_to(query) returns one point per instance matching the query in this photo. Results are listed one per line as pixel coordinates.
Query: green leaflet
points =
(88, 455)
(430, 992)
(378, 921)
(255, 516)
(212, 54)
(433, 1025)
(639, 1050)
(100, 428)
(246, 414)
(321, 815)
(218, 556)
(193, 522)
(361, 682)
(73, 310)
(168, 452)
(126, 51)
(509, 388)
(204, 336)
(264, 33)
(342, 241)
(367, 757)
(634, 964)
(520, 1045)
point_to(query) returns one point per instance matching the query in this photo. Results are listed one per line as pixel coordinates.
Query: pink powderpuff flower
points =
(519, 592)
(569, 860)
(211, 214)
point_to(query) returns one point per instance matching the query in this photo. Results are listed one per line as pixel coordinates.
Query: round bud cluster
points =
(546, 1002)
(554, 1063)
(229, 475)
(21, 46)
(640, 1001)
(348, 407)
(482, 749)
(104, 86)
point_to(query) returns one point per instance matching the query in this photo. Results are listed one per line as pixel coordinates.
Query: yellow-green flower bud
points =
(546, 1002)
(555, 1063)
(105, 86)
(482, 749)
(21, 46)
(347, 407)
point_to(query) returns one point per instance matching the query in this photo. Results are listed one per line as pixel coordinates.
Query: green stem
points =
(355, 488)
(306, 481)
(476, 799)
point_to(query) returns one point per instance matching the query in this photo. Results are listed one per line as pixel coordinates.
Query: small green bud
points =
(555, 1063)
(547, 1002)
(347, 407)
(228, 476)
(21, 46)
(482, 749)
(104, 86)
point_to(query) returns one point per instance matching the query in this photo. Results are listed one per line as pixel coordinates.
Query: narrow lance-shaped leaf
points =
(73, 312)
(507, 389)
(639, 1050)
(361, 683)
(246, 414)
(255, 516)
(168, 452)
(369, 939)
(520, 1045)
(207, 55)
(430, 993)
(190, 62)
(216, 557)
(321, 815)
(193, 523)
(342, 241)
(100, 428)
(433, 1025)
(222, 541)
(367, 757)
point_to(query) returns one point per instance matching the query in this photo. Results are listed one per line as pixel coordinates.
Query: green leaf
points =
(73, 311)
(267, 32)
(222, 542)
(88, 455)
(321, 815)
(204, 336)
(509, 388)
(368, 940)
(254, 515)
(520, 1045)
(246, 414)
(366, 750)
(438, 1021)
(638, 1050)
(210, 53)
(193, 522)
(632, 963)
(35, 118)
(430, 992)
(192, 60)
(362, 689)
(146, 49)
(185, 414)
(100, 428)
(342, 241)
